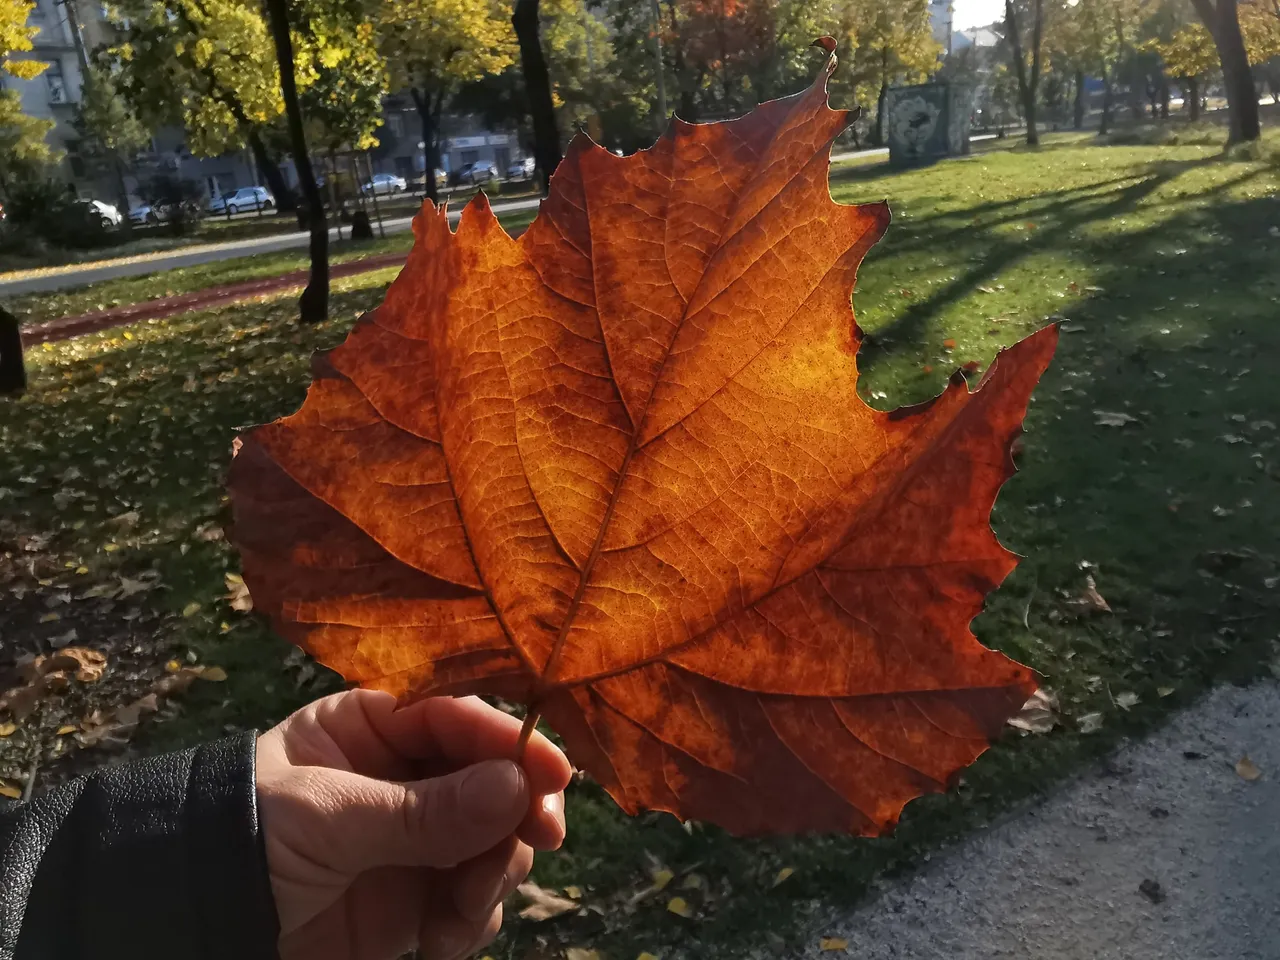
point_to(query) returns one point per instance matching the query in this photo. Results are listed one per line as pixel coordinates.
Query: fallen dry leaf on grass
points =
(543, 904)
(1039, 714)
(238, 593)
(1107, 418)
(833, 943)
(1248, 770)
(618, 470)
(1089, 600)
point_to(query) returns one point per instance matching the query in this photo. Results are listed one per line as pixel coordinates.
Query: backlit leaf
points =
(618, 470)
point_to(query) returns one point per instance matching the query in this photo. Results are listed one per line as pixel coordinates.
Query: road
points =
(78, 275)
(1169, 851)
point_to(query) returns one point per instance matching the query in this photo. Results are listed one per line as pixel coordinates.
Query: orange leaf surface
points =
(618, 470)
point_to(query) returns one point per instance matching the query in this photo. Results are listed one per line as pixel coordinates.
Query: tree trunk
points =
(537, 83)
(1108, 100)
(266, 164)
(1192, 94)
(314, 303)
(430, 149)
(1223, 22)
(880, 117)
(1165, 94)
(1028, 79)
(13, 374)
(1077, 113)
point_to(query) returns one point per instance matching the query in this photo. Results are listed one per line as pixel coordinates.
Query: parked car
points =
(521, 169)
(105, 213)
(246, 198)
(145, 213)
(384, 183)
(481, 171)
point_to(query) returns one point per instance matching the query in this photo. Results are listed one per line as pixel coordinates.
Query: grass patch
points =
(1155, 259)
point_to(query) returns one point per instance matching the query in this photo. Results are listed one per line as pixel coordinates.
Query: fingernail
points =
(553, 805)
(491, 790)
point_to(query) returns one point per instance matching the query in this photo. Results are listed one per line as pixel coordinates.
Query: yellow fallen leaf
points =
(50, 617)
(111, 547)
(1164, 691)
(82, 570)
(581, 953)
(646, 955)
(8, 729)
(693, 881)
(173, 666)
(1247, 769)
(573, 893)
(680, 907)
(191, 609)
(213, 674)
(782, 875)
(661, 878)
(10, 791)
(833, 943)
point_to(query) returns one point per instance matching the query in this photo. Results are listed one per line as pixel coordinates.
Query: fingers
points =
(483, 883)
(466, 730)
(446, 936)
(543, 827)
(362, 823)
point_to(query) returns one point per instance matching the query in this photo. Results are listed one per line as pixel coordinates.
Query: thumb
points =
(428, 823)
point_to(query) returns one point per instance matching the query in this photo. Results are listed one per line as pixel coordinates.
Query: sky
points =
(977, 13)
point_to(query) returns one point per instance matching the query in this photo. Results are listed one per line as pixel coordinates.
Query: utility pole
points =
(661, 71)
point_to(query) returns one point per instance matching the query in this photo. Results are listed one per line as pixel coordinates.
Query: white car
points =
(144, 213)
(238, 201)
(106, 214)
(384, 183)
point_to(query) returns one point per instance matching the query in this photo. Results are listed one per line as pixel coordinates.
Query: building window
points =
(470, 156)
(396, 123)
(57, 85)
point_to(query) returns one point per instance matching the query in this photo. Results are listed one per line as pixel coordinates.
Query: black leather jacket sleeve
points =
(152, 860)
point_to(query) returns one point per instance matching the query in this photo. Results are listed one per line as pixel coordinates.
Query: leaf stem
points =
(530, 723)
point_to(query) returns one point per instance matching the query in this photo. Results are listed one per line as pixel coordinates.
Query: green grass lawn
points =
(1157, 261)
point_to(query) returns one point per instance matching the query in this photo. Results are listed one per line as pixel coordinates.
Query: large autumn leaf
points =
(618, 470)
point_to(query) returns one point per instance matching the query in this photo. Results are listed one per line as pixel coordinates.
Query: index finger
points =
(466, 730)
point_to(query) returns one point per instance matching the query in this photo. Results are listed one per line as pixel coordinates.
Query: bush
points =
(48, 210)
(179, 203)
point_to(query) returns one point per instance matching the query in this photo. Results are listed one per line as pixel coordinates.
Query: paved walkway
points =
(1167, 853)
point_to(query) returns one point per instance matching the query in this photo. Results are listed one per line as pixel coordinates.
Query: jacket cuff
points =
(146, 860)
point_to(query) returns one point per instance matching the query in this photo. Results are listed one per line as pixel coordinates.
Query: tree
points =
(23, 149)
(537, 85)
(341, 77)
(110, 129)
(314, 303)
(1025, 50)
(887, 42)
(206, 65)
(433, 47)
(1189, 55)
(1222, 19)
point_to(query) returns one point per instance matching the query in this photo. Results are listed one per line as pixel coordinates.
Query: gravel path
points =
(1076, 878)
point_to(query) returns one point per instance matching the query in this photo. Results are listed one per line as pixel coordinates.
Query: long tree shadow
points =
(1001, 254)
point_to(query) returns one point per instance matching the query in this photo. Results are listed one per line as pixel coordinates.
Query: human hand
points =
(388, 831)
